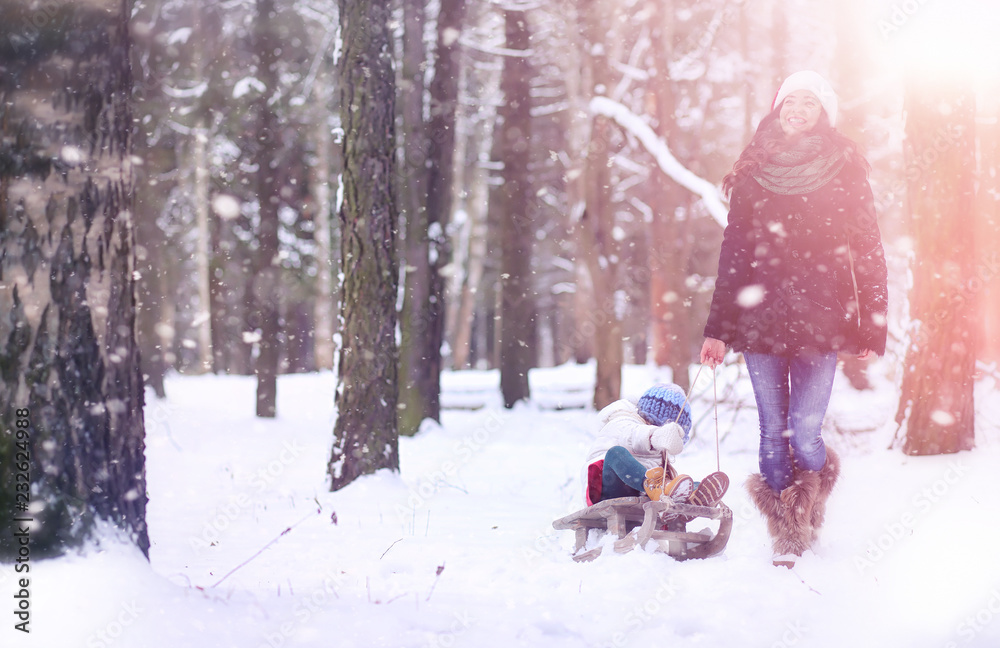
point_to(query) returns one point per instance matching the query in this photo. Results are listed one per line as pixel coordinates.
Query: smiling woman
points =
(802, 276)
(800, 112)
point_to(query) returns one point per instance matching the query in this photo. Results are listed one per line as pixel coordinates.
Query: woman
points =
(802, 276)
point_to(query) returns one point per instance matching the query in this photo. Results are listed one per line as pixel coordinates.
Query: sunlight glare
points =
(938, 39)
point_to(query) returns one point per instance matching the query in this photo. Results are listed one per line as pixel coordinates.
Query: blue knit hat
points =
(662, 403)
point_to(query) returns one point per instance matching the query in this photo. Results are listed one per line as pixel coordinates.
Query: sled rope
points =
(715, 408)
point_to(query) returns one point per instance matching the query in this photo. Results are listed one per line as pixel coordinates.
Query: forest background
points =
(390, 190)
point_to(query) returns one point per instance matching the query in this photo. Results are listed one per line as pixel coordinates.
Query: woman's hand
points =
(867, 354)
(713, 352)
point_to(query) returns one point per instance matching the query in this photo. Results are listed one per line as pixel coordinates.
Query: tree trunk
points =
(152, 288)
(415, 362)
(71, 397)
(988, 232)
(517, 314)
(440, 175)
(779, 41)
(462, 314)
(266, 293)
(203, 245)
(322, 177)
(670, 297)
(936, 400)
(599, 246)
(467, 284)
(365, 435)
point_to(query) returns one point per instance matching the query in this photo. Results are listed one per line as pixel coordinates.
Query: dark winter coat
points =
(785, 281)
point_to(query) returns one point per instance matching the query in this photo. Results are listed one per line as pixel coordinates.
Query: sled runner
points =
(638, 520)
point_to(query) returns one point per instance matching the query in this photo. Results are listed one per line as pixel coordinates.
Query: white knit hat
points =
(814, 83)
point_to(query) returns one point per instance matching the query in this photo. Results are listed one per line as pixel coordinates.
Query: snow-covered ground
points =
(458, 549)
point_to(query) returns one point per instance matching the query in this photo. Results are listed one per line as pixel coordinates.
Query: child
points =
(634, 444)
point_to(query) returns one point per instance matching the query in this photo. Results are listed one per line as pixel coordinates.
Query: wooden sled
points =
(638, 520)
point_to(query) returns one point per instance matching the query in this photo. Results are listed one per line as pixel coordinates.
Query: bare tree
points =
(266, 293)
(936, 400)
(441, 152)
(155, 144)
(365, 435)
(71, 394)
(517, 316)
(988, 232)
(599, 245)
(415, 363)
(321, 185)
(669, 297)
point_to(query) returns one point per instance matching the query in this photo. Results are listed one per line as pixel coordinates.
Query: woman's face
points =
(800, 112)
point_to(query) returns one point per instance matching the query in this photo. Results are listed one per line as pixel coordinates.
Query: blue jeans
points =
(622, 475)
(792, 394)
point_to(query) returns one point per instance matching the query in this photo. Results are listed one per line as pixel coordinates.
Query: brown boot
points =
(768, 502)
(787, 514)
(799, 500)
(828, 475)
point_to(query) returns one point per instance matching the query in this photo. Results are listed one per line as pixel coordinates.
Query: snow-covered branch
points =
(683, 176)
(496, 51)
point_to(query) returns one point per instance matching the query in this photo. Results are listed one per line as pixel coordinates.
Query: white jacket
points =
(622, 425)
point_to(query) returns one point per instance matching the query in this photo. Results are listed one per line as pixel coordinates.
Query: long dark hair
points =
(770, 139)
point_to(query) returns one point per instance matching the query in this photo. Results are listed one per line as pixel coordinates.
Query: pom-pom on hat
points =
(814, 83)
(666, 403)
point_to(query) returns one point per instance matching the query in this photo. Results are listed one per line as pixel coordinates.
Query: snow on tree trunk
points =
(266, 293)
(517, 312)
(936, 400)
(365, 434)
(68, 353)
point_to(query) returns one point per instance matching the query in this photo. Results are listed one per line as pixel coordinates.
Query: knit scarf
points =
(803, 168)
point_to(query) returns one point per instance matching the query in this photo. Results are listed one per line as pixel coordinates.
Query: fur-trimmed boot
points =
(828, 475)
(788, 514)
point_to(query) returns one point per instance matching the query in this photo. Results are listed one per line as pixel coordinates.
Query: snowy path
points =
(458, 549)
